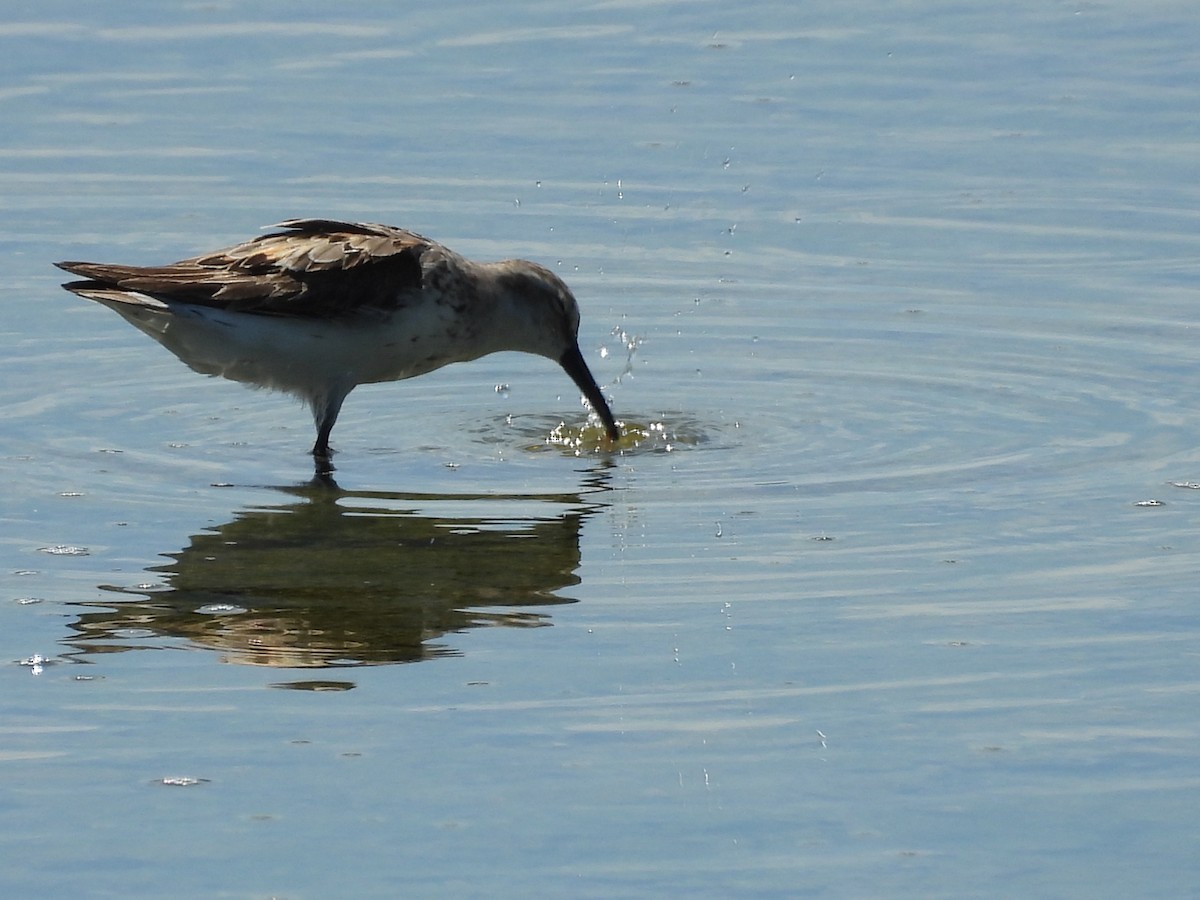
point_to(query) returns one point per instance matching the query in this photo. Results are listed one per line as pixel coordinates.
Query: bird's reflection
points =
(336, 578)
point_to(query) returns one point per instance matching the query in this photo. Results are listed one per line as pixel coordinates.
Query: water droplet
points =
(35, 663)
(219, 609)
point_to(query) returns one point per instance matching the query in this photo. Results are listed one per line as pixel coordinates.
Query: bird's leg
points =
(321, 447)
(322, 455)
(325, 414)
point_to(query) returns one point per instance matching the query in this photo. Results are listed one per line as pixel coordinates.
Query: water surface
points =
(896, 599)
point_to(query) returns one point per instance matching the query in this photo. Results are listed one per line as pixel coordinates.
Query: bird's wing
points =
(310, 268)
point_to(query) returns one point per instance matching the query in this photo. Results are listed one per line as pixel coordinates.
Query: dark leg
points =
(325, 415)
(322, 452)
(321, 447)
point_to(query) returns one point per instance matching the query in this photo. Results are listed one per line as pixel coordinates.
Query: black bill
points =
(572, 362)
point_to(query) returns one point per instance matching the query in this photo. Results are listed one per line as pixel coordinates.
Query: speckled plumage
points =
(321, 306)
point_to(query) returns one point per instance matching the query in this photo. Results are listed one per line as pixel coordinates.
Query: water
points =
(897, 598)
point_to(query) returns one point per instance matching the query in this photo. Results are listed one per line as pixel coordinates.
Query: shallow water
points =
(893, 595)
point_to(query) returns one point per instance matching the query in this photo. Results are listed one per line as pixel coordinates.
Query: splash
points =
(653, 436)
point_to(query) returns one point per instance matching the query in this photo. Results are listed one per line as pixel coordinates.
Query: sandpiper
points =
(319, 307)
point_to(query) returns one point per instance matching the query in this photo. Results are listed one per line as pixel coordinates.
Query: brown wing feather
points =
(316, 267)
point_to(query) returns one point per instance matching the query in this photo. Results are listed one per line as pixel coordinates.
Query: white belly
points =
(306, 357)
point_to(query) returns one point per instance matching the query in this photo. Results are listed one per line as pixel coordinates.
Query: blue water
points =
(898, 601)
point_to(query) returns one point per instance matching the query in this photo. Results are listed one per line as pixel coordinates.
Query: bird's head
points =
(544, 317)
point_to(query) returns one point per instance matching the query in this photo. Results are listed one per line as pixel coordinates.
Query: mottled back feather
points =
(316, 267)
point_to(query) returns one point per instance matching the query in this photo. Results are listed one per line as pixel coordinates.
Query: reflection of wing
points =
(316, 267)
(343, 578)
